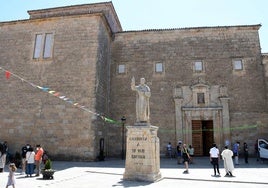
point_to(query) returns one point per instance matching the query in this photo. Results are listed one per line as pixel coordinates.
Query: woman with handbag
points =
(186, 158)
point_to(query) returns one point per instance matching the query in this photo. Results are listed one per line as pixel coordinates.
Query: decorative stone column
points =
(178, 100)
(225, 119)
(178, 116)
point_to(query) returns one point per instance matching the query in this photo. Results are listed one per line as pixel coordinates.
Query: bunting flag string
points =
(54, 93)
(8, 74)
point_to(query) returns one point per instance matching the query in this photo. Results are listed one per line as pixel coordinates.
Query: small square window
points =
(198, 66)
(121, 69)
(238, 65)
(159, 67)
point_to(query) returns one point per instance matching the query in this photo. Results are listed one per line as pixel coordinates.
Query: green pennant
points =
(110, 120)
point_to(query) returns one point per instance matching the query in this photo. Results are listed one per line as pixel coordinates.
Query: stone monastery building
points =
(66, 75)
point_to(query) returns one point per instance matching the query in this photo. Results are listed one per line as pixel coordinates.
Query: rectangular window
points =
(43, 46)
(38, 46)
(121, 69)
(238, 64)
(159, 67)
(198, 66)
(48, 45)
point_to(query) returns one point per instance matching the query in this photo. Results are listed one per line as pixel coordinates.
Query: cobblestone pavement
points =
(109, 173)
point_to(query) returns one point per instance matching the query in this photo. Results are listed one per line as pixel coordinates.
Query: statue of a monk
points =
(142, 100)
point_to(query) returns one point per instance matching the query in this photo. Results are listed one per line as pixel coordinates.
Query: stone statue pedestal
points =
(142, 154)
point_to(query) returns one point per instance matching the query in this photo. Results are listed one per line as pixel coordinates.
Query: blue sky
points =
(162, 14)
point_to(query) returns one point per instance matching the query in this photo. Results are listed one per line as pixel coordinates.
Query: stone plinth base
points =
(142, 154)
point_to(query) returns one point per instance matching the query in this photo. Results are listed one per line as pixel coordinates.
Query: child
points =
(11, 178)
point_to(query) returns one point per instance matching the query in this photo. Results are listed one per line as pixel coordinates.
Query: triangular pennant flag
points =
(57, 94)
(69, 101)
(109, 120)
(45, 89)
(7, 74)
(51, 92)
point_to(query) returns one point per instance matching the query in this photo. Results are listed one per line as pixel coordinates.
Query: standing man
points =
(214, 158)
(228, 161)
(169, 150)
(3, 155)
(2, 165)
(142, 100)
(5, 152)
(24, 150)
(236, 152)
(38, 158)
(179, 149)
(246, 152)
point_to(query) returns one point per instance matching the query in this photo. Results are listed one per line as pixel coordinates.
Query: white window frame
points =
(121, 69)
(238, 65)
(198, 66)
(43, 46)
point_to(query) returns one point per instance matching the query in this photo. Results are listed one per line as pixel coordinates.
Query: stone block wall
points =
(36, 117)
(88, 47)
(177, 49)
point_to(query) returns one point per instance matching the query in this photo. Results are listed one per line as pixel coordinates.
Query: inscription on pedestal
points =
(142, 155)
(138, 152)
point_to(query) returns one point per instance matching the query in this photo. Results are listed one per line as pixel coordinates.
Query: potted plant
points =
(48, 172)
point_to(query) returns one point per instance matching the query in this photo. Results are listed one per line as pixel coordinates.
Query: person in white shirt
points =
(191, 153)
(214, 158)
(30, 162)
(169, 150)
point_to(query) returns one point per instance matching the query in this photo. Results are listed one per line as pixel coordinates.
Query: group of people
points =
(236, 152)
(185, 155)
(31, 158)
(227, 155)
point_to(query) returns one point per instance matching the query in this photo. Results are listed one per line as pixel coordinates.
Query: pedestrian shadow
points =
(24, 177)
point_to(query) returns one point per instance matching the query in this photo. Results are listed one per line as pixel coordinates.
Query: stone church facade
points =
(208, 84)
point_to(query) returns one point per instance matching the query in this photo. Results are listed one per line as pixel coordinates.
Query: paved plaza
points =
(109, 173)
